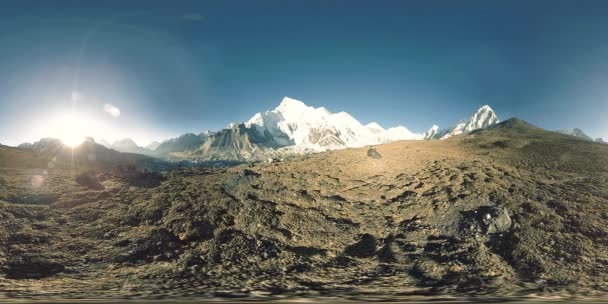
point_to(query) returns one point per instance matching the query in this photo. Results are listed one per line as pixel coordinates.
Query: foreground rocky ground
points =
(510, 211)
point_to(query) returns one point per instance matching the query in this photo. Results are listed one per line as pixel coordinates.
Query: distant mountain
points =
(600, 140)
(87, 154)
(25, 146)
(482, 118)
(575, 132)
(152, 146)
(105, 143)
(127, 145)
(186, 142)
(294, 127)
(432, 132)
(235, 143)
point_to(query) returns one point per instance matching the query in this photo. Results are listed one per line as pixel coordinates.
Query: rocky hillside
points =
(509, 211)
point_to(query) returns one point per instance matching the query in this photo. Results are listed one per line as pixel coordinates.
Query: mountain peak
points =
(374, 126)
(293, 123)
(485, 108)
(430, 133)
(105, 143)
(290, 104)
(483, 117)
(125, 141)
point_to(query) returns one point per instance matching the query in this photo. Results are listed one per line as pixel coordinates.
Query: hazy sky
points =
(180, 66)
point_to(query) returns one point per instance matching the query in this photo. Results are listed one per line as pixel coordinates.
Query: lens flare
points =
(111, 109)
(37, 181)
(71, 128)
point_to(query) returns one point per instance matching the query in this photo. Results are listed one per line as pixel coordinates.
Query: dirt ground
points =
(509, 212)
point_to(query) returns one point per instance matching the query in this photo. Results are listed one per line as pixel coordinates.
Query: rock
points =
(498, 221)
(485, 220)
(429, 270)
(373, 153)
(364, 248)
(248, 172)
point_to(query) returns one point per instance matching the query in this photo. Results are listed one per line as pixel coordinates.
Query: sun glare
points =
(71, 128)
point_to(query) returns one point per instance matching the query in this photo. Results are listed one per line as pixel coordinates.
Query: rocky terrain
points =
(509, 211)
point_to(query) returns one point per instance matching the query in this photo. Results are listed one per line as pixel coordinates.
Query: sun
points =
(72, 140)
(70, 127)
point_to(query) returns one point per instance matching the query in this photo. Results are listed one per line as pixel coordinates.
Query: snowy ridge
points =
(482, 118)
(295, 123)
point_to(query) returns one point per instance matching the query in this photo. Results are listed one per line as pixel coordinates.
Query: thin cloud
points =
(112, 110)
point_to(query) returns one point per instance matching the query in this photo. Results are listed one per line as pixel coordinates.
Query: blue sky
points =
(187, 66)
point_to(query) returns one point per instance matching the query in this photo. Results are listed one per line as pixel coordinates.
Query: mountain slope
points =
(186, 142)
(236, 143)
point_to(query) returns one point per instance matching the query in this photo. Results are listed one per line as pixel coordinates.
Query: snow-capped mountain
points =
(430, 133)
(482, 118)
(293, 123)
(294, 127)
(375, 128)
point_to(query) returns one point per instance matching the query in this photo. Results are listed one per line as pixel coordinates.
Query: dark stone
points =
(373, 153)
(364, 248)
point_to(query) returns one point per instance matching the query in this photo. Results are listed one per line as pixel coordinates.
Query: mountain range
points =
(291, 128)
(294, 127)
(87, 154)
